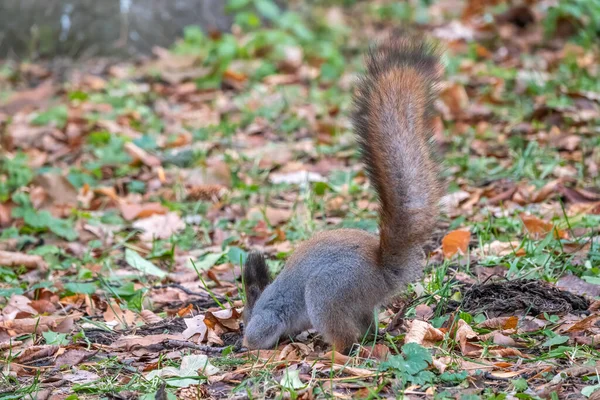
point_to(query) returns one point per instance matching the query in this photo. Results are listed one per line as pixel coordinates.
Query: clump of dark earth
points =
(523, 296)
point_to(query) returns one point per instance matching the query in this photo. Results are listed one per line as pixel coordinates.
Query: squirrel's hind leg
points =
(335, 321)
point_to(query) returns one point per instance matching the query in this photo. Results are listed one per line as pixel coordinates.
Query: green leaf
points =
(454, 377)
(591, 279)
(589, 390)
(234, 5)
(236, 255)
(57, 115)
(520, 385)
(145, 266)
(207, 262)
(415, 359)
(55, 338)
(83, 288)
(267, 8)
(555, 341)
(417, 356)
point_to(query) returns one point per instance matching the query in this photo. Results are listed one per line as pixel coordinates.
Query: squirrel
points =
(334, 281)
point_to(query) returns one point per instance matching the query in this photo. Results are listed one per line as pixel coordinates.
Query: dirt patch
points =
(521, 297)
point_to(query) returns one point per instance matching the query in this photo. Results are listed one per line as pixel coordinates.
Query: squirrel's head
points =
(263, 330)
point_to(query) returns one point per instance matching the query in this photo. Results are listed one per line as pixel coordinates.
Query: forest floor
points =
(131, 192)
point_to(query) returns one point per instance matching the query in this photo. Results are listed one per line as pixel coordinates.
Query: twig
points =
(185, 290)
(178, 344)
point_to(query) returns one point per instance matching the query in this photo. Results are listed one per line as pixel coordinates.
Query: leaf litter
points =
(119, 180)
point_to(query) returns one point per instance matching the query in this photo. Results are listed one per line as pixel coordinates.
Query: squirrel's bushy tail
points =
(393, 122)
(256, 279)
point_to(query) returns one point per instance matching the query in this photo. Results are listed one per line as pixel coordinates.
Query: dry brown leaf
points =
(229, 318)
(36, 353)
(149, 317)
(423, 333)
(159, 226)
(441, 364)
(294, 352)
(139, 154)
(14, 259)
(423, 312)
(129, 343)
(72, 357)
(585, 324)
(507, 374)
(277, 216)
(498, 248)
(35, 97)
(503, 340)
(18, 306)
(133, 211)
(538, 228)
(379, 352)
(59, 191)
(454, 96)
(464, 333)
(119, 318)
(335, 357)
(6, 214)
(576, 285)
(456, 242)
(500, 323)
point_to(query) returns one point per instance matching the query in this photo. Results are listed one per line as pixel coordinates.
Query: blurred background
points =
(140, 136)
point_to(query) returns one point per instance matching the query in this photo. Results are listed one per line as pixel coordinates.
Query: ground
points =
(131, 192)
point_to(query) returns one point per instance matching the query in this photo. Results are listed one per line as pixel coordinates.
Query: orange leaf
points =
(456, 242)
(538, 228)
(133, 211)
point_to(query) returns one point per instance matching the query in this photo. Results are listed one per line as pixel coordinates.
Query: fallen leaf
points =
(294, 352)
(35, 353)
(456, 242)
(149, 317)
(500, 323)
(36, 97)
(133, 211)
(13, 259)
(138, 262)
(129, 343)
(464, 334)
(72, 357)
(191, 366)
(81, 376)
(290, 379)
(538, 228)
(454, 96)
(139, 154)
(423, 333)
(423, 312)
(585, 324)
(277, 216)
(59, 191)
(159, 226)
(498, 248)
(578, 286)
(195, 326)
(296, 178)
